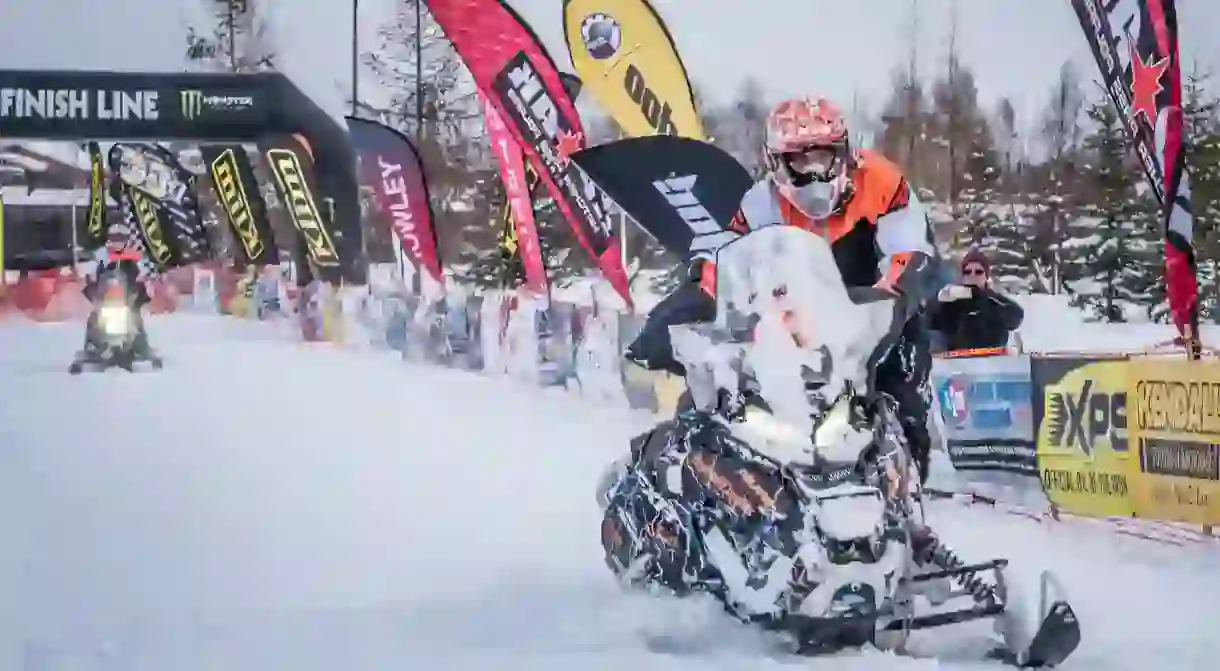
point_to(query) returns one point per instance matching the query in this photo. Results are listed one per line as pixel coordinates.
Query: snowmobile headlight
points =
(114, 319)
(836, 438)
(769, 428)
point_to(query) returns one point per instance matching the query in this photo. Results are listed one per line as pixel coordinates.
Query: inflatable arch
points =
(309, 153)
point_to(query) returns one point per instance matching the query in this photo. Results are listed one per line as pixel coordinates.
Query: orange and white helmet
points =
(808, 154)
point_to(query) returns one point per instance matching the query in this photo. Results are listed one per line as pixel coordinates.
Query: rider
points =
(121, 264)
(879, 236)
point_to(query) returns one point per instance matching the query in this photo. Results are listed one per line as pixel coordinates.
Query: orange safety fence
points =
(53, 296)
(975, 352)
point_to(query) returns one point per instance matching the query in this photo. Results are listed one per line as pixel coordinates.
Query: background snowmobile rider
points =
(122, 264)
(878, 231)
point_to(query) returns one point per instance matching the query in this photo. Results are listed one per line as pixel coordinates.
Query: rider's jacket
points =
(126, 270)
(880, 238)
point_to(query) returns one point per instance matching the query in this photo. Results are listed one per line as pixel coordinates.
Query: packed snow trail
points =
(261, 504)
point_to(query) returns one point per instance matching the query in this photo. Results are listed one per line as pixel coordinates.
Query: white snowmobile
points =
(114, 333)
(784, 487)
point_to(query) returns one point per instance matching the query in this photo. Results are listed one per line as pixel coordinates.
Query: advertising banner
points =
(682, 192)
(291, 163)
(513, 70)
(517, 187)
(1174, 470)
(1135, 45)
(95, 222)
(627, 58)
(391, 166)
(987, 407)
(1082, 434)
(242, 202)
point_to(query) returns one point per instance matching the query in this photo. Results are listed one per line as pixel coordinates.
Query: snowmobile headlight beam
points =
(769, 428)
(836, 438)
(114, 320)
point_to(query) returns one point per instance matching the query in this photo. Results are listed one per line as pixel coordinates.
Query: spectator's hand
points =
(954, 292)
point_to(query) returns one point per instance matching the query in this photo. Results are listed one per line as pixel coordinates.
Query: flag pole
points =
(355, 52)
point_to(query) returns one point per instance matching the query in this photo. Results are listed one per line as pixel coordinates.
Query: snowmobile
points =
(114, 333)
(783, 486)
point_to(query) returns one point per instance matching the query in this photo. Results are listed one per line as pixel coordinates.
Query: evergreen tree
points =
(902, 128)
(480, 259)
(1109, 248)
(485, 260)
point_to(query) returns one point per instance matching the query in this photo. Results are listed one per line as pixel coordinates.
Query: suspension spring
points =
(929, 548)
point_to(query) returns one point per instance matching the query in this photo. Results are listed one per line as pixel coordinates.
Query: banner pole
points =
(73, 240)
(419, 72)
(622, 234)
(355, 52)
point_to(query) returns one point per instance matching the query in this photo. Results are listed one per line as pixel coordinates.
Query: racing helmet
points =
(808, 155)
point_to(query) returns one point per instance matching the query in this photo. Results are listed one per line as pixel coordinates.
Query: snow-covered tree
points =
(1111, 251)
(738, 128)
(450, 136)
(236, 38)
(451, 114)
(901, 129)
(488, 255)
(480, 257)
(1051, 186)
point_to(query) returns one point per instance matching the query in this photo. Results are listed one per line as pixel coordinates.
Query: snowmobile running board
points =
(1056, 638)
(960, 570)
(942, 619)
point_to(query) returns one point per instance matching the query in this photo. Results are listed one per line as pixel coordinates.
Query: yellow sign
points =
(1082, 438)
(626, 57)
(1175, 440)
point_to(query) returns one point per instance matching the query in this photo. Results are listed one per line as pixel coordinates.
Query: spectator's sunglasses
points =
(970, 271)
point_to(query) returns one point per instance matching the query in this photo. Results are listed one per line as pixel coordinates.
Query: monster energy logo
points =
(193, 102)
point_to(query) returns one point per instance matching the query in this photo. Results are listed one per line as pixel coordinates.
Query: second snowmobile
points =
(784, 486)
(114, 332)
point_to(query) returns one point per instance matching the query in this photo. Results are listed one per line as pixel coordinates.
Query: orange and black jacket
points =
(880, 238)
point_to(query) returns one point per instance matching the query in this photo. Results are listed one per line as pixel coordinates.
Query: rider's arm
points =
(904, 238)
(750, 215)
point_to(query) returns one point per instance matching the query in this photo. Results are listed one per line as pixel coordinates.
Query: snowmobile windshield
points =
(785, 283)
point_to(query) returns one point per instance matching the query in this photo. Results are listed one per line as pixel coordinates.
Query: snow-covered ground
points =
(264, 505)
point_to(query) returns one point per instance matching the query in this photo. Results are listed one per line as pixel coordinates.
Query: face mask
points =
(818, 200)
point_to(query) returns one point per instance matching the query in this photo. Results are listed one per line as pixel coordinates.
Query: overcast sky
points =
(832, 46)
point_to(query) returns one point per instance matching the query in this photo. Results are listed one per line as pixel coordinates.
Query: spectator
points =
(971, 315)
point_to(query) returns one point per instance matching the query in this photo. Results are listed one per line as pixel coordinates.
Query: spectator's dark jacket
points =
(983, 320)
